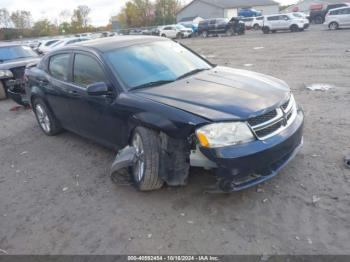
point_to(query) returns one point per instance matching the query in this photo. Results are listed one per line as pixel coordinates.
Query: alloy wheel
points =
(333, 26)
(43, 118)
(139, 166)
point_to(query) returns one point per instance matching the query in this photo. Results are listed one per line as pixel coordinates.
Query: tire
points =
(2, 91)
(145, 172)
(294, 28)
(163, 35)
(256, 27)
(318, 20)
(179, 36)
(46, 120)
(333, 26)
(273, 31)
(230, 32)
(205, 34)
(266, 30)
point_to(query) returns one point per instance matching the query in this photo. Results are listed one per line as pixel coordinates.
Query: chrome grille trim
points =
(286, 115)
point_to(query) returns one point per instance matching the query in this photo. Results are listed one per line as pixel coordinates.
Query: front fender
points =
(160, 123)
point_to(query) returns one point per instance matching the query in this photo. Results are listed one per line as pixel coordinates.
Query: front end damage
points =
(15, 85)
(237, 167)
(174, 161)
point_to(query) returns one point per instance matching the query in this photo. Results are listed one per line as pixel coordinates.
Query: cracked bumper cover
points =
(252, 163)
(15, 90)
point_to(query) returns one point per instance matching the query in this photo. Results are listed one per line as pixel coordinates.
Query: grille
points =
(267, 124)
(285, 105)
(18, 72)
(263, 118)
(268, 130)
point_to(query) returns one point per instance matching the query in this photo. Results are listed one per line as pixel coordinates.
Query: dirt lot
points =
(56, 195)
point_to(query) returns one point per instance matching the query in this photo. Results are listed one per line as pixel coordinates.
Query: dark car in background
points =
(13, 60)
(318, 16)
(218, 26)
(165, 108)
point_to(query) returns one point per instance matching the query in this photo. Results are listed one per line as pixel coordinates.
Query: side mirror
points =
(97, 89)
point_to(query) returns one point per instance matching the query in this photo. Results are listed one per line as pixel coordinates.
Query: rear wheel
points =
(46, 120)
(294, 28)
(205, 34)
(145, 172)
(230, 32)
(266, 30)
(333, 26)
(163, 35)
(256, 27)
(2, 91)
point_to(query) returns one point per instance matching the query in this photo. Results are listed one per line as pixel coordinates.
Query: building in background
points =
(225, 8)
(308, 5)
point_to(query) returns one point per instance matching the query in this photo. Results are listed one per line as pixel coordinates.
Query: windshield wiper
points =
(195, 71)
(151, 84)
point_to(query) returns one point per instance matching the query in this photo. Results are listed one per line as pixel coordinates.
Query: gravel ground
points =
(57, 198)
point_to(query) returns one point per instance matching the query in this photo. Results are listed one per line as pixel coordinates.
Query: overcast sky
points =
(101, 10)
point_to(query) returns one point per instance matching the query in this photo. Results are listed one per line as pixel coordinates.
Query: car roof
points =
(340, 8)
(108, 44)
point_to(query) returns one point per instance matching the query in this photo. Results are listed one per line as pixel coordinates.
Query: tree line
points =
(139, 13)
(20, 23)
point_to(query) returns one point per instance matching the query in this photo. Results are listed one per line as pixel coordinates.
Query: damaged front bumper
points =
(16, 91)
(246, 165)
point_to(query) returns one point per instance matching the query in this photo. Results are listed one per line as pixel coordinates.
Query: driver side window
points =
(87, 70)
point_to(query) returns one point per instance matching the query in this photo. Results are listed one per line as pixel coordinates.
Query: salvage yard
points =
(57, 197)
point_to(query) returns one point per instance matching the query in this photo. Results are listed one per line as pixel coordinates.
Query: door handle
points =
(43, 82)
(73, 92)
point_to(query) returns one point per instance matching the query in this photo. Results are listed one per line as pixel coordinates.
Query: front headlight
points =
(224, 134)
(5, 74)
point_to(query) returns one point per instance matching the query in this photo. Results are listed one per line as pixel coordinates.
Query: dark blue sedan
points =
(165, 108)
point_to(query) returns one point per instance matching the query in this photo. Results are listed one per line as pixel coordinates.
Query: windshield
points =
(180, 27)
(15, 52)
(154, 62)
(57, 44)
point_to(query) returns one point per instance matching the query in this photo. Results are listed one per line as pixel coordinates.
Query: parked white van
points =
(338, 17)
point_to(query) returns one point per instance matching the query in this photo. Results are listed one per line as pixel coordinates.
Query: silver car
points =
(337, 18)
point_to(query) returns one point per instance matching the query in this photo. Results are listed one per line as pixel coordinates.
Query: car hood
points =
(222, 94)
(18, 62)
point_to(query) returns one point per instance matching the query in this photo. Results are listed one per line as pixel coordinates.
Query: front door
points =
(94, 115)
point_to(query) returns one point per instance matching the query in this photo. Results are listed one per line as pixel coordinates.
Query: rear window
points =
(58, 66)
(15, 52)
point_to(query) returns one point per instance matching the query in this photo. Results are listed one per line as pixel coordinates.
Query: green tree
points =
(21, 19)
(80, 18)
(44, 27)
(165, 11)
(5, 19)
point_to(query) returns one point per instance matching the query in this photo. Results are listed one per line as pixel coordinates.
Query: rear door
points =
(56, 87)
(212, 26)
(283, 22)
